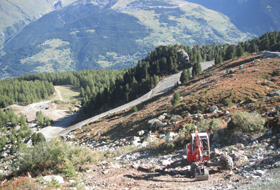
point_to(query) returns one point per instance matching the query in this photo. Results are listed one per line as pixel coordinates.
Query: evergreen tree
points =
(253, 48)
(176, 99)
(264, 44)
(184, 77)
(37, 138)
(196, 69)
(189, 73)
(239, 51)
(230, 52)
(218, 59)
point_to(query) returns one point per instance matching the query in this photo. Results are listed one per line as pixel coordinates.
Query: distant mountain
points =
(110, 35)
(253, 16)
(14, 14)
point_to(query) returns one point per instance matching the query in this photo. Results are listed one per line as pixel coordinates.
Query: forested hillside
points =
(254, 16)
(105, 89)
(91, 36)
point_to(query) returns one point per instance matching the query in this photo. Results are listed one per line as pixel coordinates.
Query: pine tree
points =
(230, 52)
(253, 48)
(196, 69)
(239, 51)
(184, 77)
(176, 99)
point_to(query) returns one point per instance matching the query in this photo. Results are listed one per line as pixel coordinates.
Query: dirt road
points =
(162, 86)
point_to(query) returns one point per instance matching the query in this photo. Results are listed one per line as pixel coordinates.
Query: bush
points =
(210, 125)
(246, 122)
(55, 155)
(176, 99)
(134, 109)
(37, 138)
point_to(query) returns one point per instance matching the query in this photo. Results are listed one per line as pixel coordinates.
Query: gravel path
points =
(162, 87)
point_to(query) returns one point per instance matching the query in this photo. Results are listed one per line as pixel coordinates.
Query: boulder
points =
(170, 136)
(226, 112)
(140, 133)
(229, 71)
(241, 67)
(259, 172)
(214, 109)
(56, 177)
(161, 125)
(270, 54)
(153, 121)
(4, 154)
(276, 93)
(218, 135)
(161, 117)
(176, 117)
(165, 162)
(149, 137)
(183, 56)
(239, 137)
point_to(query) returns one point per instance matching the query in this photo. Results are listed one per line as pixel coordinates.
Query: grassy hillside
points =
(92, 37)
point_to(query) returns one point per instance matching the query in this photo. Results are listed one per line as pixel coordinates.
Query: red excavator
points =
(198, 152)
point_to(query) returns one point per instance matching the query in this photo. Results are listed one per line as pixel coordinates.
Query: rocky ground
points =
(256, 165)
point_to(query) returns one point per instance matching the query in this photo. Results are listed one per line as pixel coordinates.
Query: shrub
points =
(246, 122)
(37, 138)
(134, 109)
(55, 155)
(210, 125)
(176, 99)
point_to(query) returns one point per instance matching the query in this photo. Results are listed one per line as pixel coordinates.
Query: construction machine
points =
(198, 152)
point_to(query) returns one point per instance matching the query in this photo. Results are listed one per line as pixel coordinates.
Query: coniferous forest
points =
(110, 88)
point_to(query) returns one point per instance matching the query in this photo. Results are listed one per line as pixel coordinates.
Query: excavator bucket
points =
(201, 174)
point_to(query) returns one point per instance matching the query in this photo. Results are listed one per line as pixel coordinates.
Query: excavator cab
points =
(193, 148)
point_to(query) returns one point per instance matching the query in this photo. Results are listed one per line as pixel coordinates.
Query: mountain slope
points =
(253, 16)
(85, 36)
(15, 14)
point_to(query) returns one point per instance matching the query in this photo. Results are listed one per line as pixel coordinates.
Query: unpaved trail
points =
(58, 92)
(163, 86)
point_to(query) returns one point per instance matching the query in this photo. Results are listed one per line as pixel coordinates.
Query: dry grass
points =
(213, 87)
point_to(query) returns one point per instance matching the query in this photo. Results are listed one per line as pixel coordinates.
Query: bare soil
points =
(131, 177)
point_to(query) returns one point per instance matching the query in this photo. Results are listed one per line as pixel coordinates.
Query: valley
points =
(128, 31)
(109, 94)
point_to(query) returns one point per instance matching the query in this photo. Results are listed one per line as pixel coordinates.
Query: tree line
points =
(109, 88)
(23, 91)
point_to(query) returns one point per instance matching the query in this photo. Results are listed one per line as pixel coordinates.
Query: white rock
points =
(170, 136)
(152, 121)
(165, 162)
(162, 117)
(56, 177)
(140, 133)
(259, 172)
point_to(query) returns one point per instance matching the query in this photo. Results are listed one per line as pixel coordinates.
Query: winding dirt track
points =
(58, 129)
